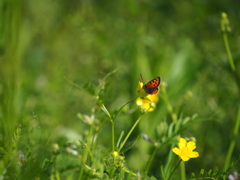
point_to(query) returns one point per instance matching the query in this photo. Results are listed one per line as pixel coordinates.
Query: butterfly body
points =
(152, 86)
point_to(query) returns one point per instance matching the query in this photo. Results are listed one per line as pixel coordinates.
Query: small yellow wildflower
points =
(185, 150)
(115, 154)
(146, 101)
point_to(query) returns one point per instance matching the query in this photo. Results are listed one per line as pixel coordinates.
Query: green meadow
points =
(73, 105)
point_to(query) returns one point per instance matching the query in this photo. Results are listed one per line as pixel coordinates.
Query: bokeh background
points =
(44, 43)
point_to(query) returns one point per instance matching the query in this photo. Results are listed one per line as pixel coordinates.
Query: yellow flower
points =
(115, 154)
(185, 150)
(142, 93)
(146, 101)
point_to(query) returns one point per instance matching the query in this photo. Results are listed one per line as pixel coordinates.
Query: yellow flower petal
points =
(140, 85)
(191, 145)
(176, 151)
(144, 104)
(153, 98)
(182, 143)
(193, 154)
(185, 150)
(148, 102)
(142, 93)
(185, 158)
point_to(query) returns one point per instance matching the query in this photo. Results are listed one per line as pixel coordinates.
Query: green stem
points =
(113, 135)
(174, 169)
(229, 54)
(182, 169)
(86, 152)
(123, 107)
(233, 142)
(130, 172)
(169, 106)
(147, 167)
(130, 132)
(112, 122)
(225, 28)
(105, 110)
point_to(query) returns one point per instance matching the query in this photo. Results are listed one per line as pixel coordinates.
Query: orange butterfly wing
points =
(154, 83)
(152, 91)
(152, 86)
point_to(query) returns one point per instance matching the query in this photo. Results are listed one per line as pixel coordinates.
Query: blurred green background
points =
(44, 42)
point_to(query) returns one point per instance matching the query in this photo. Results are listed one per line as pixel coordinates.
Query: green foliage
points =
(211, 174)
(68, 77)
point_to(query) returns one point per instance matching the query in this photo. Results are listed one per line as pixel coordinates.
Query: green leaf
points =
(70, 177)
(215, 172)
(170, 130)
(131, 144)
(46, 163)
(106, 111)
(192, 175)
(90, 88)
(186, 120)
(80, 116)
(194, 116)
(201, 174)
(162, 172)
(153, 178)
(178, 125)
(210, 172)
(120, 139)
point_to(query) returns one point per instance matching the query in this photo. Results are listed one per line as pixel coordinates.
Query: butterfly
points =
(152, 86)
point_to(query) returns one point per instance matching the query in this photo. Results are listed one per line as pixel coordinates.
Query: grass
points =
(68, 78)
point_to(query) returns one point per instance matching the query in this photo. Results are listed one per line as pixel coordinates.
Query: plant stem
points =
(233, 142)
(182, 169)
(229, 54)
(150, 161)
(113, 135)
(130, 172)
(86, 152)
(130, 132)
(169, 106)
(105, 110)
(112, 121)
(174, 169)
(226, 28)
(123, 107)
(112, 118)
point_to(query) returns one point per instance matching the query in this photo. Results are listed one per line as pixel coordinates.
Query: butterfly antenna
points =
(141, 78)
